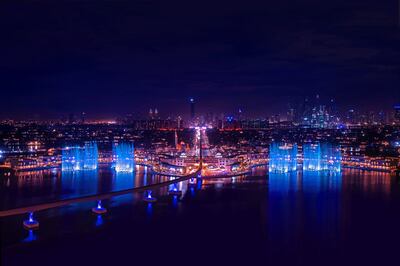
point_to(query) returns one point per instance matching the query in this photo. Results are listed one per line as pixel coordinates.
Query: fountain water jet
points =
(282, 158)
(124, 154)
(149, 197)
(99, 209)
(31, 223)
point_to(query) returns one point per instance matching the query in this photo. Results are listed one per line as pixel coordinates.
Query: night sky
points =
(113, 57)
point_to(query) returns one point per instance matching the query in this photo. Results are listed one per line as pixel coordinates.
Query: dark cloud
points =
(114, 57)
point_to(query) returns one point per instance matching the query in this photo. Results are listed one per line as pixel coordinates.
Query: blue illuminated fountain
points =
(31, 223)
(174, 190)
(71, 159)
(80, 158)
(149, 198)
(124, 155)
(99, 209)
(282, 157)
(321, 157)
(192, 182)
(90, 156)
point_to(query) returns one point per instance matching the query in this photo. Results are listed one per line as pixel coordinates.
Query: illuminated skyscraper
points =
(192, 110)
(397, 113)
(176, 139)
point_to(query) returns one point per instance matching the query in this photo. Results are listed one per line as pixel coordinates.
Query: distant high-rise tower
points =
(83, 117)
(179, 122)
(192, 111)
(176, 139)
(397, 113)
(151, 113)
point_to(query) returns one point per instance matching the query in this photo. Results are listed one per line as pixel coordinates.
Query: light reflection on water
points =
(31, 236)
(99, 220)
(297, 214)
(316, 206)
(27, 188)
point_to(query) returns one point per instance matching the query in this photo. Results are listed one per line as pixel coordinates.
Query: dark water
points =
(310, 219)
(28, 188)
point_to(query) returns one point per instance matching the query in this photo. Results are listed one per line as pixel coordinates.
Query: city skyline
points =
(214, 132)
(286, 112)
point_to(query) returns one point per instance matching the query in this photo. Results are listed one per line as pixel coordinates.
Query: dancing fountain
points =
(321, 157)
(282, 158)
(124, 154)
(149, 198)
(90, 156)
(174, 190)
(31, 223)
(80, 158)
(99, 209)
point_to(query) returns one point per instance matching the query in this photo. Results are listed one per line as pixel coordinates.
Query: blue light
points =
(124, 154)
(31, 236)
(99, 220)
(321, 157)
(80, 158)
(199, 183)
(282, 158)
(149, 209)
(31, 223)
(91, 156)
(99, 205)
(99, 208)
(175, 201)
(31, 217)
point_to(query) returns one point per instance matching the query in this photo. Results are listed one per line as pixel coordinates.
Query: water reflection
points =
(369, 182)
(175, 201)
(283, 183)
(27, 188)
(303, 202)
(312, 211)
(31, 236)
(99, 220)
(149, 210)
(315, 182)
(79, 183)
(192, 191)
